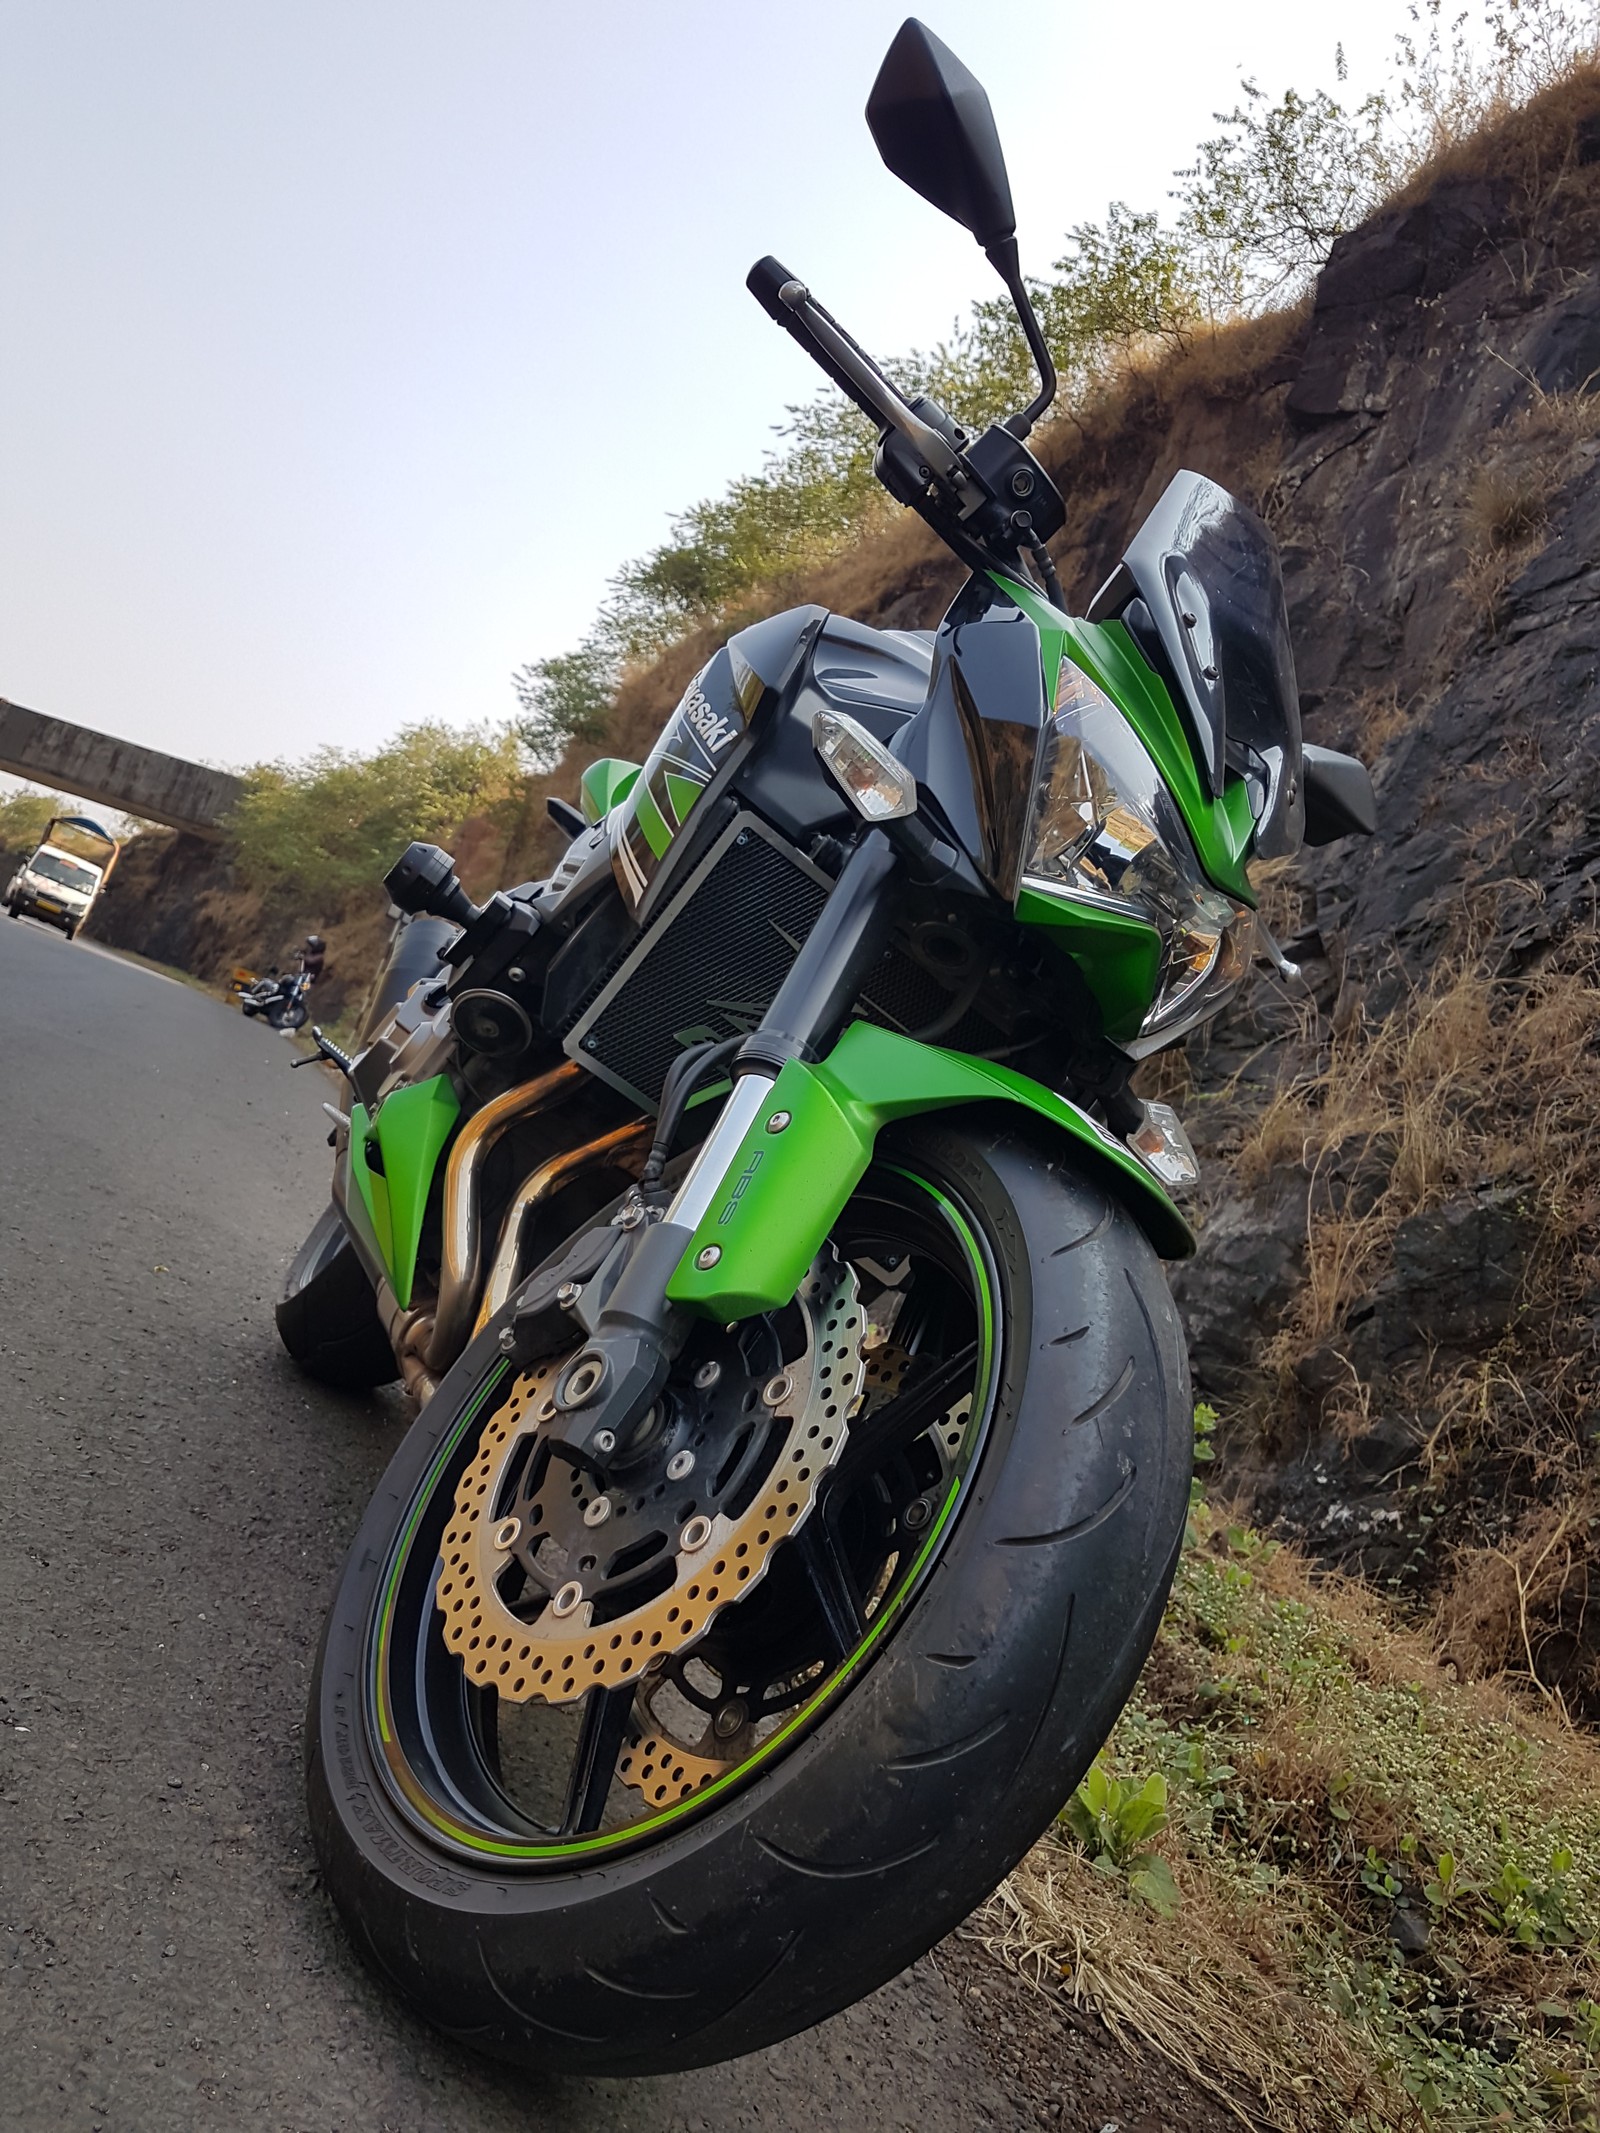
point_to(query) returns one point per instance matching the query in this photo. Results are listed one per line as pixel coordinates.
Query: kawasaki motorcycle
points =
(761, 1211)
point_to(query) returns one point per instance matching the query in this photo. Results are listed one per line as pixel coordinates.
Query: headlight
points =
(1105, 830)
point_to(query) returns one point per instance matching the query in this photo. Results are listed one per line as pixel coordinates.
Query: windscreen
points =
(51, 866)
(1206, 568)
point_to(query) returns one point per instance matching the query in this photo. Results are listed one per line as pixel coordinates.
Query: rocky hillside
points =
(1396, 1298)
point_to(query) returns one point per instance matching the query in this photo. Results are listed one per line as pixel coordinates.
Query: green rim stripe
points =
(697, 1800)
(424, 1498)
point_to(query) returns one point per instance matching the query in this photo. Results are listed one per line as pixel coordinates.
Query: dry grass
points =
(1476, 1089)
(1522, 1607)
(1473, 1077)
(1521, 128)
(1218, 2000)
(1327, 1778)
(1380, 716)
(1507, 507)
(1510, 498)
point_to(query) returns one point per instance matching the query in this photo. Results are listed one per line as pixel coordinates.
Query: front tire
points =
(327, 1316)
(950, 1740)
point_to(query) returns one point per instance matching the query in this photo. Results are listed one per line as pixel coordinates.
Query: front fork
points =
(639, 1330)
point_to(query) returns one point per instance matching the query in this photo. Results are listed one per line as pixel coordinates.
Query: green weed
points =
(1114, 1820)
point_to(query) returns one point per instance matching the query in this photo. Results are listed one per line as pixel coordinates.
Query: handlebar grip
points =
(764, 281)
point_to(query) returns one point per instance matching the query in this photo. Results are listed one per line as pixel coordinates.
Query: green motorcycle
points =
(761, 1213)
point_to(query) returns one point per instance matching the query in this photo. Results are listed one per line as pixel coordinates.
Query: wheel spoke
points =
(903, 1420)
(483, 1718)
(831, 1582)
(604, 1728)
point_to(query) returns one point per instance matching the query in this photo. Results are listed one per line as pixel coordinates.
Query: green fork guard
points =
(789, 1182)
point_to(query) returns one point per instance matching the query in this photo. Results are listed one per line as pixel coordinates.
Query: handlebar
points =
(790, 302)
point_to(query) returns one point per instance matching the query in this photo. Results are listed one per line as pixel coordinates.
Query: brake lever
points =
(940, 454)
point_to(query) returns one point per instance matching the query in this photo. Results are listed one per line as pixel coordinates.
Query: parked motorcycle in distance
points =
(280, 1001)
(762, 1213)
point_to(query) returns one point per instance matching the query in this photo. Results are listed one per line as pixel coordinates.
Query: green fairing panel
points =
(1118, 953)
(788, 1189)
(604, 784)
(1221, 827)
(410, 1132)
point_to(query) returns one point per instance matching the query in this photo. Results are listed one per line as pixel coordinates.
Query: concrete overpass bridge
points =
(94, 766)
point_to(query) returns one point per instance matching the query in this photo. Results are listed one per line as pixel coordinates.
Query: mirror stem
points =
(1004, 258)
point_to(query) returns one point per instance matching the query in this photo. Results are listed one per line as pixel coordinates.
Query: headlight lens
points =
(1105, 830)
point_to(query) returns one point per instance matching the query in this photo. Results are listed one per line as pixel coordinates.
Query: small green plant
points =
(1205, 1428)
(1381, 1877)
(1528, 1909)
(1114, 1819)
(1447, 1885)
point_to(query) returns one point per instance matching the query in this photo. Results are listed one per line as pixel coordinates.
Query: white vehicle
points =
(65, 874)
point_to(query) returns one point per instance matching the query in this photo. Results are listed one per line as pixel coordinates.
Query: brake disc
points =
(531, 1553)
(673, 1745)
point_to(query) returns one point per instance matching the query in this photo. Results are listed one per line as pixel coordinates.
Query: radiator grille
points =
(711, 965)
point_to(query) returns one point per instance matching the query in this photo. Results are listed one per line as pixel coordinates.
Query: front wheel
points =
(640, 1788)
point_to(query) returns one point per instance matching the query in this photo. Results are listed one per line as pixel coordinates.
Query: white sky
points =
(347, 346)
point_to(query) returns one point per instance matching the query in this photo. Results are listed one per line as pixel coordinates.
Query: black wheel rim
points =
(536, 1787)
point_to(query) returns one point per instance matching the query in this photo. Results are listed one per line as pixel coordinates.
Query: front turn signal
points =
(878, 786)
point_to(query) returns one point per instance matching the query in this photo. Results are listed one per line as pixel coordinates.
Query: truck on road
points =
(62, 878)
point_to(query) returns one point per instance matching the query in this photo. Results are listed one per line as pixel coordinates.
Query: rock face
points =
(1434, 485)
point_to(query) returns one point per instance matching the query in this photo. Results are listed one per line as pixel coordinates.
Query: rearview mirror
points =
(931, 120)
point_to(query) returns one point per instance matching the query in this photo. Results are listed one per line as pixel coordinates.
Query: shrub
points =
(338, 821)
(23, 816)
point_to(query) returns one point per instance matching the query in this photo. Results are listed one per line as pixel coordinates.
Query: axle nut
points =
(582, 1381)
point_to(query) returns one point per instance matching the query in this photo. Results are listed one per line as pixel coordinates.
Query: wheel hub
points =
(551, 1587)
(681, 1739)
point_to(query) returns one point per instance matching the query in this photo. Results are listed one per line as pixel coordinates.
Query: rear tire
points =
(327, 1316)
(910, 1795)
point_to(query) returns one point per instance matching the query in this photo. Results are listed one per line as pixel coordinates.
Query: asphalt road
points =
(174, 1503)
